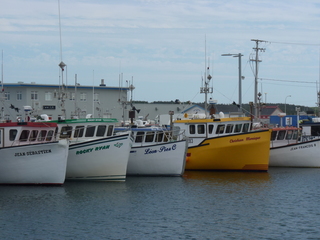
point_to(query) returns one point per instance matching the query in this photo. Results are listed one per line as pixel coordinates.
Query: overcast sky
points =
(161, 45)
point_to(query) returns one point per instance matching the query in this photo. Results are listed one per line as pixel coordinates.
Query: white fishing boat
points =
(156, 151)
(95, 153)
(295, 146)
(30, 154)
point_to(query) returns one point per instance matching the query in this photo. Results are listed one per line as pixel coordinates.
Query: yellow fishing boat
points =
(222, 141)
(225, 144)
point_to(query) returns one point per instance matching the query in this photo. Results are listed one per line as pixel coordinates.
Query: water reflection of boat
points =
(226, 176)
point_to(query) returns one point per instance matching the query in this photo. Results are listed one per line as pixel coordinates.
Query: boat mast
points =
(62, 65)
(207, 77)
(2, 89)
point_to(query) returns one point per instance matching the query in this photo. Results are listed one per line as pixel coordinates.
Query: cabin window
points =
(33, 135)
(210, 128)
(289, 134)
(281, 135)
(90, 131)
(101, 131)
(24, 136)
(66, 132)
(139, 137)
(273, 135)
(246, 127)
(229, 128)
(12, 134)
(78, 132)
(50, 135)
(166, 137)
(42, 135)
(315, 131)
(220, 129)
(192, 129)
(110, 130)
(295, 134)
(149, 136)
(201, 129)
(237, 128)
(159, 137)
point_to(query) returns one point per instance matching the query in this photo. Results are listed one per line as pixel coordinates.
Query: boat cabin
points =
(150, 135)
(86, 128)
(213, 127)
(25, 133)
(284, 136)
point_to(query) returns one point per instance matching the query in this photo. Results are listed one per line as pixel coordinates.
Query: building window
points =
(48, 96)
(7, 96)
(34, 95)
(83, 97)
(19, 95)
(72, 96)
(96, 97)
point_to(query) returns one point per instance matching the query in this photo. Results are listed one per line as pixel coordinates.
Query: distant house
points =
(268, 111)
(200, 109)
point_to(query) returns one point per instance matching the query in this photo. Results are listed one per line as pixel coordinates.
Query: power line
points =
(279, 80)
(309, 44)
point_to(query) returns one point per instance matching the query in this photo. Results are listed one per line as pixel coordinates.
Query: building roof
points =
(219, 108)
(269, 110)
(22, 84)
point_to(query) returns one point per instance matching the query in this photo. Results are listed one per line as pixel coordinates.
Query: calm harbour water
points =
(280, 204)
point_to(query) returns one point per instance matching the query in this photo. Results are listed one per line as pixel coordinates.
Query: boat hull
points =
(167, 159)
(43, 163)
(239, 152)
(294, 155)
(103, 159)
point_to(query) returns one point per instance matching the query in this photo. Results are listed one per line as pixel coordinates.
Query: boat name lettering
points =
(161, 149)
(89, 150)
(302, 147)
(247, 139)
(19, 154)
(102, 147)
(254, 138)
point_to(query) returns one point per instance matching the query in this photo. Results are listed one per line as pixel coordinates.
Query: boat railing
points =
(284, 142)
(306, 138)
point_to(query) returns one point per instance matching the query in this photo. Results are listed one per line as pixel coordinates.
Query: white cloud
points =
(162, 43)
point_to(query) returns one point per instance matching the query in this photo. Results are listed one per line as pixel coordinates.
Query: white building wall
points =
(110, 99)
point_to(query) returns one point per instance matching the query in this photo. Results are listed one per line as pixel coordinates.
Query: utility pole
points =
(238, 55)
(256, 60)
